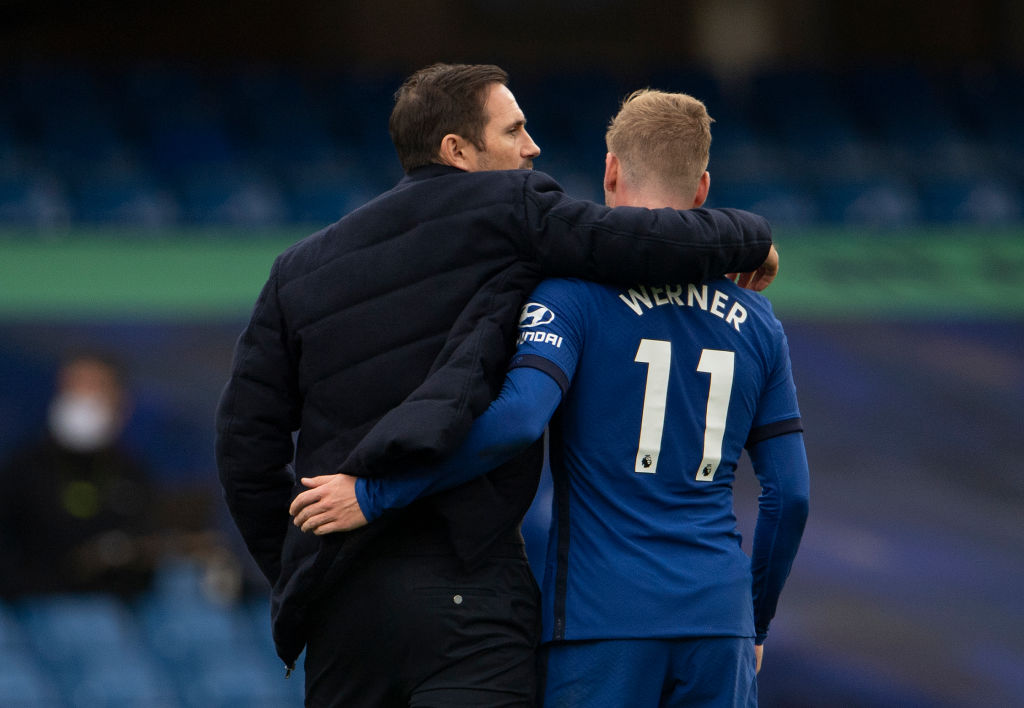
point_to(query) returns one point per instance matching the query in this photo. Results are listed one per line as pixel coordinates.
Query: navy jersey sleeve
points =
(515, 419)
(780, 463)
(776, 448)
(552, 330)
(777, 410)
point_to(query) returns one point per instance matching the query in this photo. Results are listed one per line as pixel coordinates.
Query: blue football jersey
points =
(666, 383)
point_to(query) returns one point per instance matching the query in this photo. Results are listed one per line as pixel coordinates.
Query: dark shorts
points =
(425, 631)
(709, 672)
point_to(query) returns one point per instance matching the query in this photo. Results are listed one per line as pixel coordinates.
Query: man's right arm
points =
(257, 413)
(631, 244)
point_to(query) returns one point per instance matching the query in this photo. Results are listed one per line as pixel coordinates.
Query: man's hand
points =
(761, 278)
(328, 505)
(759, 653)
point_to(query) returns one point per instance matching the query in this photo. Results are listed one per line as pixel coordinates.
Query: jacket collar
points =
(429, 171)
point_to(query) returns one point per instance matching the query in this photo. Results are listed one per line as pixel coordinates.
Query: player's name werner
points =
(714, 301)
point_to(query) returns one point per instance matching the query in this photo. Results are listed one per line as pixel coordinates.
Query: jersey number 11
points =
(657, 354)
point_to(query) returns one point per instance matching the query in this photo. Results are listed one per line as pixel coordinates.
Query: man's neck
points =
(658, 201)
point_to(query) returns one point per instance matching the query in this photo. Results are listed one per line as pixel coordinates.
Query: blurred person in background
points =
(77, 510)
(648, 598)
(379, 338)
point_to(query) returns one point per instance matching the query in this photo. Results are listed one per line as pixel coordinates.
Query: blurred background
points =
(155, 157)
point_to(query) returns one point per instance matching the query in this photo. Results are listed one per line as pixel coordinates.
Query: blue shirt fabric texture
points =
(661, 388)
(644, 540)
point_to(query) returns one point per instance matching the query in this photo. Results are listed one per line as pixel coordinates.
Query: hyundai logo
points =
(534, 315)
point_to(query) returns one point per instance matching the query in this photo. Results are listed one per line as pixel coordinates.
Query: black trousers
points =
(423, 630)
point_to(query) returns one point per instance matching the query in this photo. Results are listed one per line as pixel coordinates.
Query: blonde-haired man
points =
(648, 599)
(658, 149)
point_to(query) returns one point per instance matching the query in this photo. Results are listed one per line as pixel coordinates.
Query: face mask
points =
(82, 423)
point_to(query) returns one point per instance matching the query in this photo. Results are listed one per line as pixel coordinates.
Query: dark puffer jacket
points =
(382, 336)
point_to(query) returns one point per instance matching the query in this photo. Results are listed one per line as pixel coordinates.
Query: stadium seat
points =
(130, 200)
(900, 105)
(972, 201)
(240, 680)
(274, 119)
(321, 192)
(23, 683)
(36, 200)
(188, 633)
(991, 99)
(65, 629)
(11, 634)
(231, 195)
(119, 678)
(802, 108)
(778, 201)
(182, 626)
(875, 203)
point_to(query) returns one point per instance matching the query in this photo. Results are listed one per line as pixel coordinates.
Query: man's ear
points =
(611, 177)
(702, 190)
(455, 151)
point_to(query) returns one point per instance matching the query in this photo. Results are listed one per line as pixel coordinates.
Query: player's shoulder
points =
(569, 288)
(754, 301)
(569, 299)
(758, 316)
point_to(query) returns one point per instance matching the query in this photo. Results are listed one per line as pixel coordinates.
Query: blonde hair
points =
(661, 137)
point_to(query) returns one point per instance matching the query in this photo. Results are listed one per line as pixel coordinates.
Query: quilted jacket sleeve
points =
(630, 244)
(259, 408)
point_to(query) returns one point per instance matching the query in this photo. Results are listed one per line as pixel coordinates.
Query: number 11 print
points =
(657, 354)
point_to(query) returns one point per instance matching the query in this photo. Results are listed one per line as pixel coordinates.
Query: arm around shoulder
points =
(578, 238)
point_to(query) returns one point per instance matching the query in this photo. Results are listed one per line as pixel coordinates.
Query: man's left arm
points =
(577, 238)
(780, 464)
(514, 420)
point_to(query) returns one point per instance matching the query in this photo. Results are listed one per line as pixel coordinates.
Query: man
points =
(379, 338)
(76, 513)
(648, 599)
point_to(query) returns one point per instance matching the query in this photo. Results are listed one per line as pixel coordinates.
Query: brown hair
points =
(436, 101)
(661, 137)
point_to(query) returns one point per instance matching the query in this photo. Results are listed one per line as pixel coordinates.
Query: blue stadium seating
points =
(23, 684)
(240, 681)
(90, 652)
(173, 648)
(120, 678)
(125, 200)
(266, 145)
(990, 202)
(34, 199)
(65, 629)
(189, 633)
(322, 191)
(231, 195)
(10, 631)
(802, 108)
(880, 202)
(778, 200)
